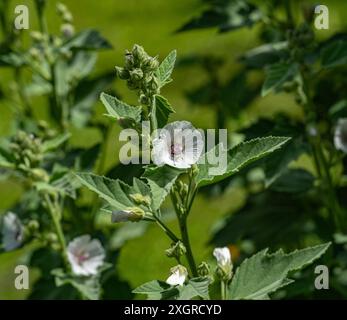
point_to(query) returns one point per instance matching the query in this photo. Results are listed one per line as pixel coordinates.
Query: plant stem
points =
(162, 225)
(54, 213)
(224, 291)
(186, 242)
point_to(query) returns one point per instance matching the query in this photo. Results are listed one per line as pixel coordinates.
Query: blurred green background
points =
(152, 24)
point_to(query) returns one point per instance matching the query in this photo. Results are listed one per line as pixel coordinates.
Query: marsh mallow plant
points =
(178, 170)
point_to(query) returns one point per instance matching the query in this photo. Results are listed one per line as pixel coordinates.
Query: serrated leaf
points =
(237, 158)
(196, 287)
(276, 75)
(160, 181)
(162, 110)
(115, 192)
(157, 290)
(264, 273)
(53, 144)
(121, 111)
(165, 69)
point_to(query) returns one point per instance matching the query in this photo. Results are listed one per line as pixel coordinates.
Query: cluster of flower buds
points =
(176, 250)
(139, 72)
(26, 150)
(67, 28)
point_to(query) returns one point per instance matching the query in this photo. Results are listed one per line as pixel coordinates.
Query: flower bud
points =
(141, 199)
(122, 73)
(37, 36)
(136, 74)
(139, 53)
(39, 175)
(33, 226)
(132, 214)
(176, 250)
(204, 269)
(225, 266)
(67, 30)
(144, 99)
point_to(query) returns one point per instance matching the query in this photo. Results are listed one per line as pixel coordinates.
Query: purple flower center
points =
(176, 149)
(82, 257)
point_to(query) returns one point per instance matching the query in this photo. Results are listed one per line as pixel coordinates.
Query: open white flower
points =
(85, 255)
(340, 138)
(222, 256)
(178, 275)
(12, 232)
(178, 145)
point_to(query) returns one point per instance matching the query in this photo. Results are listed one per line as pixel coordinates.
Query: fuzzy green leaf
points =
(276, 75)
(162, 110)
(264, 273)
(115, 192)
(127, 115)
(237, 158)
(160, 181)
(335, 54)
(165, 69)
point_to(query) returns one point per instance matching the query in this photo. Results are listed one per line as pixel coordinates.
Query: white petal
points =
(340, 137)
(222, 256)
(178, 276)
(91, 251)
(12, 231)
(120, 216)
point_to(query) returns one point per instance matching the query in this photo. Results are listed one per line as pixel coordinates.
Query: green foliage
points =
(265, 273)
(238, 157)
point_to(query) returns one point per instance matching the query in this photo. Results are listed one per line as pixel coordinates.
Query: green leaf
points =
(265, 54)
(12, 59)
(264, 273)
(165, 69)
(294, 181)
(115, 192)
(89, 287)
(157, 290)
(55, 143)
(334, 54)
(226, 15)
(277, 74)
(237, 158)
(87, 40)
(196, 287)
(121, 111)
(160, 290)
(160, 181)
(162, 110)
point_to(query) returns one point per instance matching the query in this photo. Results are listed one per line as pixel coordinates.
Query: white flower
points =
(12, 232)
(223, 256)
(340, 138)
(85, 255)
(130, 214)
(178, 276)
(178, 145)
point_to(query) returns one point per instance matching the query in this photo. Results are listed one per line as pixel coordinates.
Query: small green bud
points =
(204, 269)
(122, 73)
(39, 175)
(67, 30)
(152, 64)
(37, 36)
(141, 199)
(51, 238)
(61, 8)
(143, 99)
(133, 214)
(176, 250)
(139, 53)
(132, 85)
(129, 60)
(67, 17)
(136, 74)
(33, 225)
